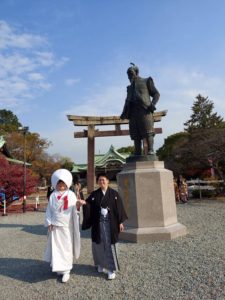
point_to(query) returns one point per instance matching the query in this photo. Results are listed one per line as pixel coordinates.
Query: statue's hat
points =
(133, 68)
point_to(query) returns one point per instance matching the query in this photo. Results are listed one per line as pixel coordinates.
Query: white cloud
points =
(102, 101)
(16, 64)
(61, 62)
(46, 59)
(180, 86)
(73, 148)
(10, 37)
(72, 81)
(24, 66)
(35, 76)
(13, 87)
(45, 86)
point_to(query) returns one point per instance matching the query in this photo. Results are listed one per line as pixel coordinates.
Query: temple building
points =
(5, 152)
(110, 163)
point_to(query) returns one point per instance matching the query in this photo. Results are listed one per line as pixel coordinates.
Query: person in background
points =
(49, 191)
(79, 194)
(104, 213)
(176, 190)
(183, 189)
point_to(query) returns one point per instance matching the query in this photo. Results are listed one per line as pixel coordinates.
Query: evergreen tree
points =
(128, 149)
(170, 145)
(8, 121)
(201, 146)
(203, 116)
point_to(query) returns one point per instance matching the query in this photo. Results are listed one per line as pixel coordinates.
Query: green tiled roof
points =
(7, 154)
(2, 141)
(16, 161)
(101, 160)
(79, 168)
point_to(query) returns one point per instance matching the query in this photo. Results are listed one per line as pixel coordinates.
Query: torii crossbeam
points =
(91, 133)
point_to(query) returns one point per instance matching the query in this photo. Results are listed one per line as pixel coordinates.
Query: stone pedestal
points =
(147, 190)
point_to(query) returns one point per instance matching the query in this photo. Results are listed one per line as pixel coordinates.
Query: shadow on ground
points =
(27, 270)
(85, 270)
(33, 229)
(85, 234)
(34, 271)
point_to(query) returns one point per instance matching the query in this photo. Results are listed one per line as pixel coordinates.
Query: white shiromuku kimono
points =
(64, 241)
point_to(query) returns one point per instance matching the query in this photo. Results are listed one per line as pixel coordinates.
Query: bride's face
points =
(61, 186)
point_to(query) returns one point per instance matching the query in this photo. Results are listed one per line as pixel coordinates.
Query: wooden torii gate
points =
(91, 133)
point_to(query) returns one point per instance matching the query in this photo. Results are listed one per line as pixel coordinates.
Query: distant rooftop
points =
(102, 160)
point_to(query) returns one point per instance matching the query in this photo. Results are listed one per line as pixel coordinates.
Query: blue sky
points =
(70, 57)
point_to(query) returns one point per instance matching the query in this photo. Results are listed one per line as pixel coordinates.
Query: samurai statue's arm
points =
(125, 113)
(126, 109)
(154, 93)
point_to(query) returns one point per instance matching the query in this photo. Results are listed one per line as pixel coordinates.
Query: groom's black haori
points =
(104, 213)
(91, 210)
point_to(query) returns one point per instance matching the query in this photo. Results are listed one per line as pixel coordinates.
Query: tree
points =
(207, 137)
(42, 163)
(47, 164)
(11, 180)
(35, 145)
(203, 116)
(169, 152)
(204, 149)
(170, 144)
(8, 121)
(64, 162)
(35, 151)
(128, 149)
(200, 147)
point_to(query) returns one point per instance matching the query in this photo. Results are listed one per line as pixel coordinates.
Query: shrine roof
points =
(101, 160)
(4, 150)
(2, 141)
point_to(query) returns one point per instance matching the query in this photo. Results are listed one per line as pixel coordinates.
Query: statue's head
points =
(132, 72)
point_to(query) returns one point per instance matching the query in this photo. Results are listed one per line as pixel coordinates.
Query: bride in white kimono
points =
(62, 221)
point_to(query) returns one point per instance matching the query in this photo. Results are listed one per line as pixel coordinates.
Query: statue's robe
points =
(142, 97)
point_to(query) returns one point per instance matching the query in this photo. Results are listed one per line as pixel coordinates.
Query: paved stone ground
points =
(186, 268)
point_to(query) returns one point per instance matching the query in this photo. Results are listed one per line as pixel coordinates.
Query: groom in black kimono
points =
(104, 214)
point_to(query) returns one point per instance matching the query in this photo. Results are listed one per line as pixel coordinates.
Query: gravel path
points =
(186, 268)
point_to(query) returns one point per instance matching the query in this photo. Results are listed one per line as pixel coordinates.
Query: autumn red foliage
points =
(11, 180)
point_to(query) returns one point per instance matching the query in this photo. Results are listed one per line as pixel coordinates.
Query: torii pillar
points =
(91, 158)
(91, 133)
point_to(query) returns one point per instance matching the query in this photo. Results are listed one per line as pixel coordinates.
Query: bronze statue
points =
(139, 107)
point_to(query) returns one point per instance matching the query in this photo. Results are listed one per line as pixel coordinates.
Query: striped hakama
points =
(104, 254)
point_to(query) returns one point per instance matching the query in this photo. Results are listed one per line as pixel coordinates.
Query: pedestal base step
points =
(150, 234)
